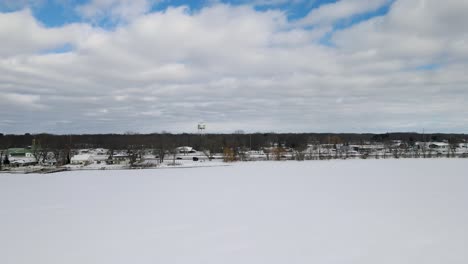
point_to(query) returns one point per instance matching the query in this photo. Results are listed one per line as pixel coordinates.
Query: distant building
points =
(82, 159)
(20, 152)
(20, 157)
(186, 149)
(121, 158)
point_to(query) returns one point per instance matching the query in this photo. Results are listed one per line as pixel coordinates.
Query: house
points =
(439, 147)
(21, 157)
(91, 156)
(20, 152)
(21, 162)
(98, 159)
(122, 158)
(83, 151)
(82, 159)
(100, 151)
(185, 150)
(462, 148)
(256, 155)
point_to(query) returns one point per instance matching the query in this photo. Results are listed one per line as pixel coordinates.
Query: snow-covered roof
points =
(99, 157)
(439, 144)
(185, 149)
(81, 157)
(100, 151)
(256, 152)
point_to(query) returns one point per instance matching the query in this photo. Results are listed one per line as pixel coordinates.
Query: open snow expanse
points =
(355, 211)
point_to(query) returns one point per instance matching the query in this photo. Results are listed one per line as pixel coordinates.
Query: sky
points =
(114, 66)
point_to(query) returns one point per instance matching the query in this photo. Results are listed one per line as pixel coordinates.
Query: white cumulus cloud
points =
(235, 67)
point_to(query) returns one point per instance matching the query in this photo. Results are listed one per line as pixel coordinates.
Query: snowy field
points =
(355, 211)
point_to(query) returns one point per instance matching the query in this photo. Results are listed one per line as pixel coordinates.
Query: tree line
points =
(212, 142)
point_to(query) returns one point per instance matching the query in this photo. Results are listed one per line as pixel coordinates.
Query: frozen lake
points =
(361, 211)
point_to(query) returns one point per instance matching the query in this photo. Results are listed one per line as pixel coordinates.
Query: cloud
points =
(420, 32)
(22, 34)
(27, 101)
(235, 67)
(114, 9)
(273, 2)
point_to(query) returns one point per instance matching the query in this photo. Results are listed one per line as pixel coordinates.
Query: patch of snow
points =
(355, 211)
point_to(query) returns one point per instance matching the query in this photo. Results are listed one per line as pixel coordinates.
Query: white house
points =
(185, 149)
(82, 159)
(19, 162)
(437, 148)
(121, 158)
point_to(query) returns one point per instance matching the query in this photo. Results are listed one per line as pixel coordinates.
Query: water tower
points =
(201, 128)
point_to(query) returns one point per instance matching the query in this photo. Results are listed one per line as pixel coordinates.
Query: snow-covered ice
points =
(355, 211)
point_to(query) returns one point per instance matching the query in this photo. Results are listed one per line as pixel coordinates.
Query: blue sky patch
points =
(429, 67)
(61, 49)
(53, 13)
(356, 19)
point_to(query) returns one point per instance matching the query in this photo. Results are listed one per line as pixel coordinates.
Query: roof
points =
(17, 151)
(439, 144)
(99, 157)
(81, 157)
(185, 148)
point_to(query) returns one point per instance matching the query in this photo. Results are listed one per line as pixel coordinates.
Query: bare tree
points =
(242, 153)
(278, 152)
(300, 151)
(267, 152)
(453, 145)
(346, 151)
(110, 158)
(134, 154)
(207, 153)
(3, 151)
(57, 155)
(161, 151)
(173, 151)
(424, 149)
(161, 154)
(1, 158)
(299, 155)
